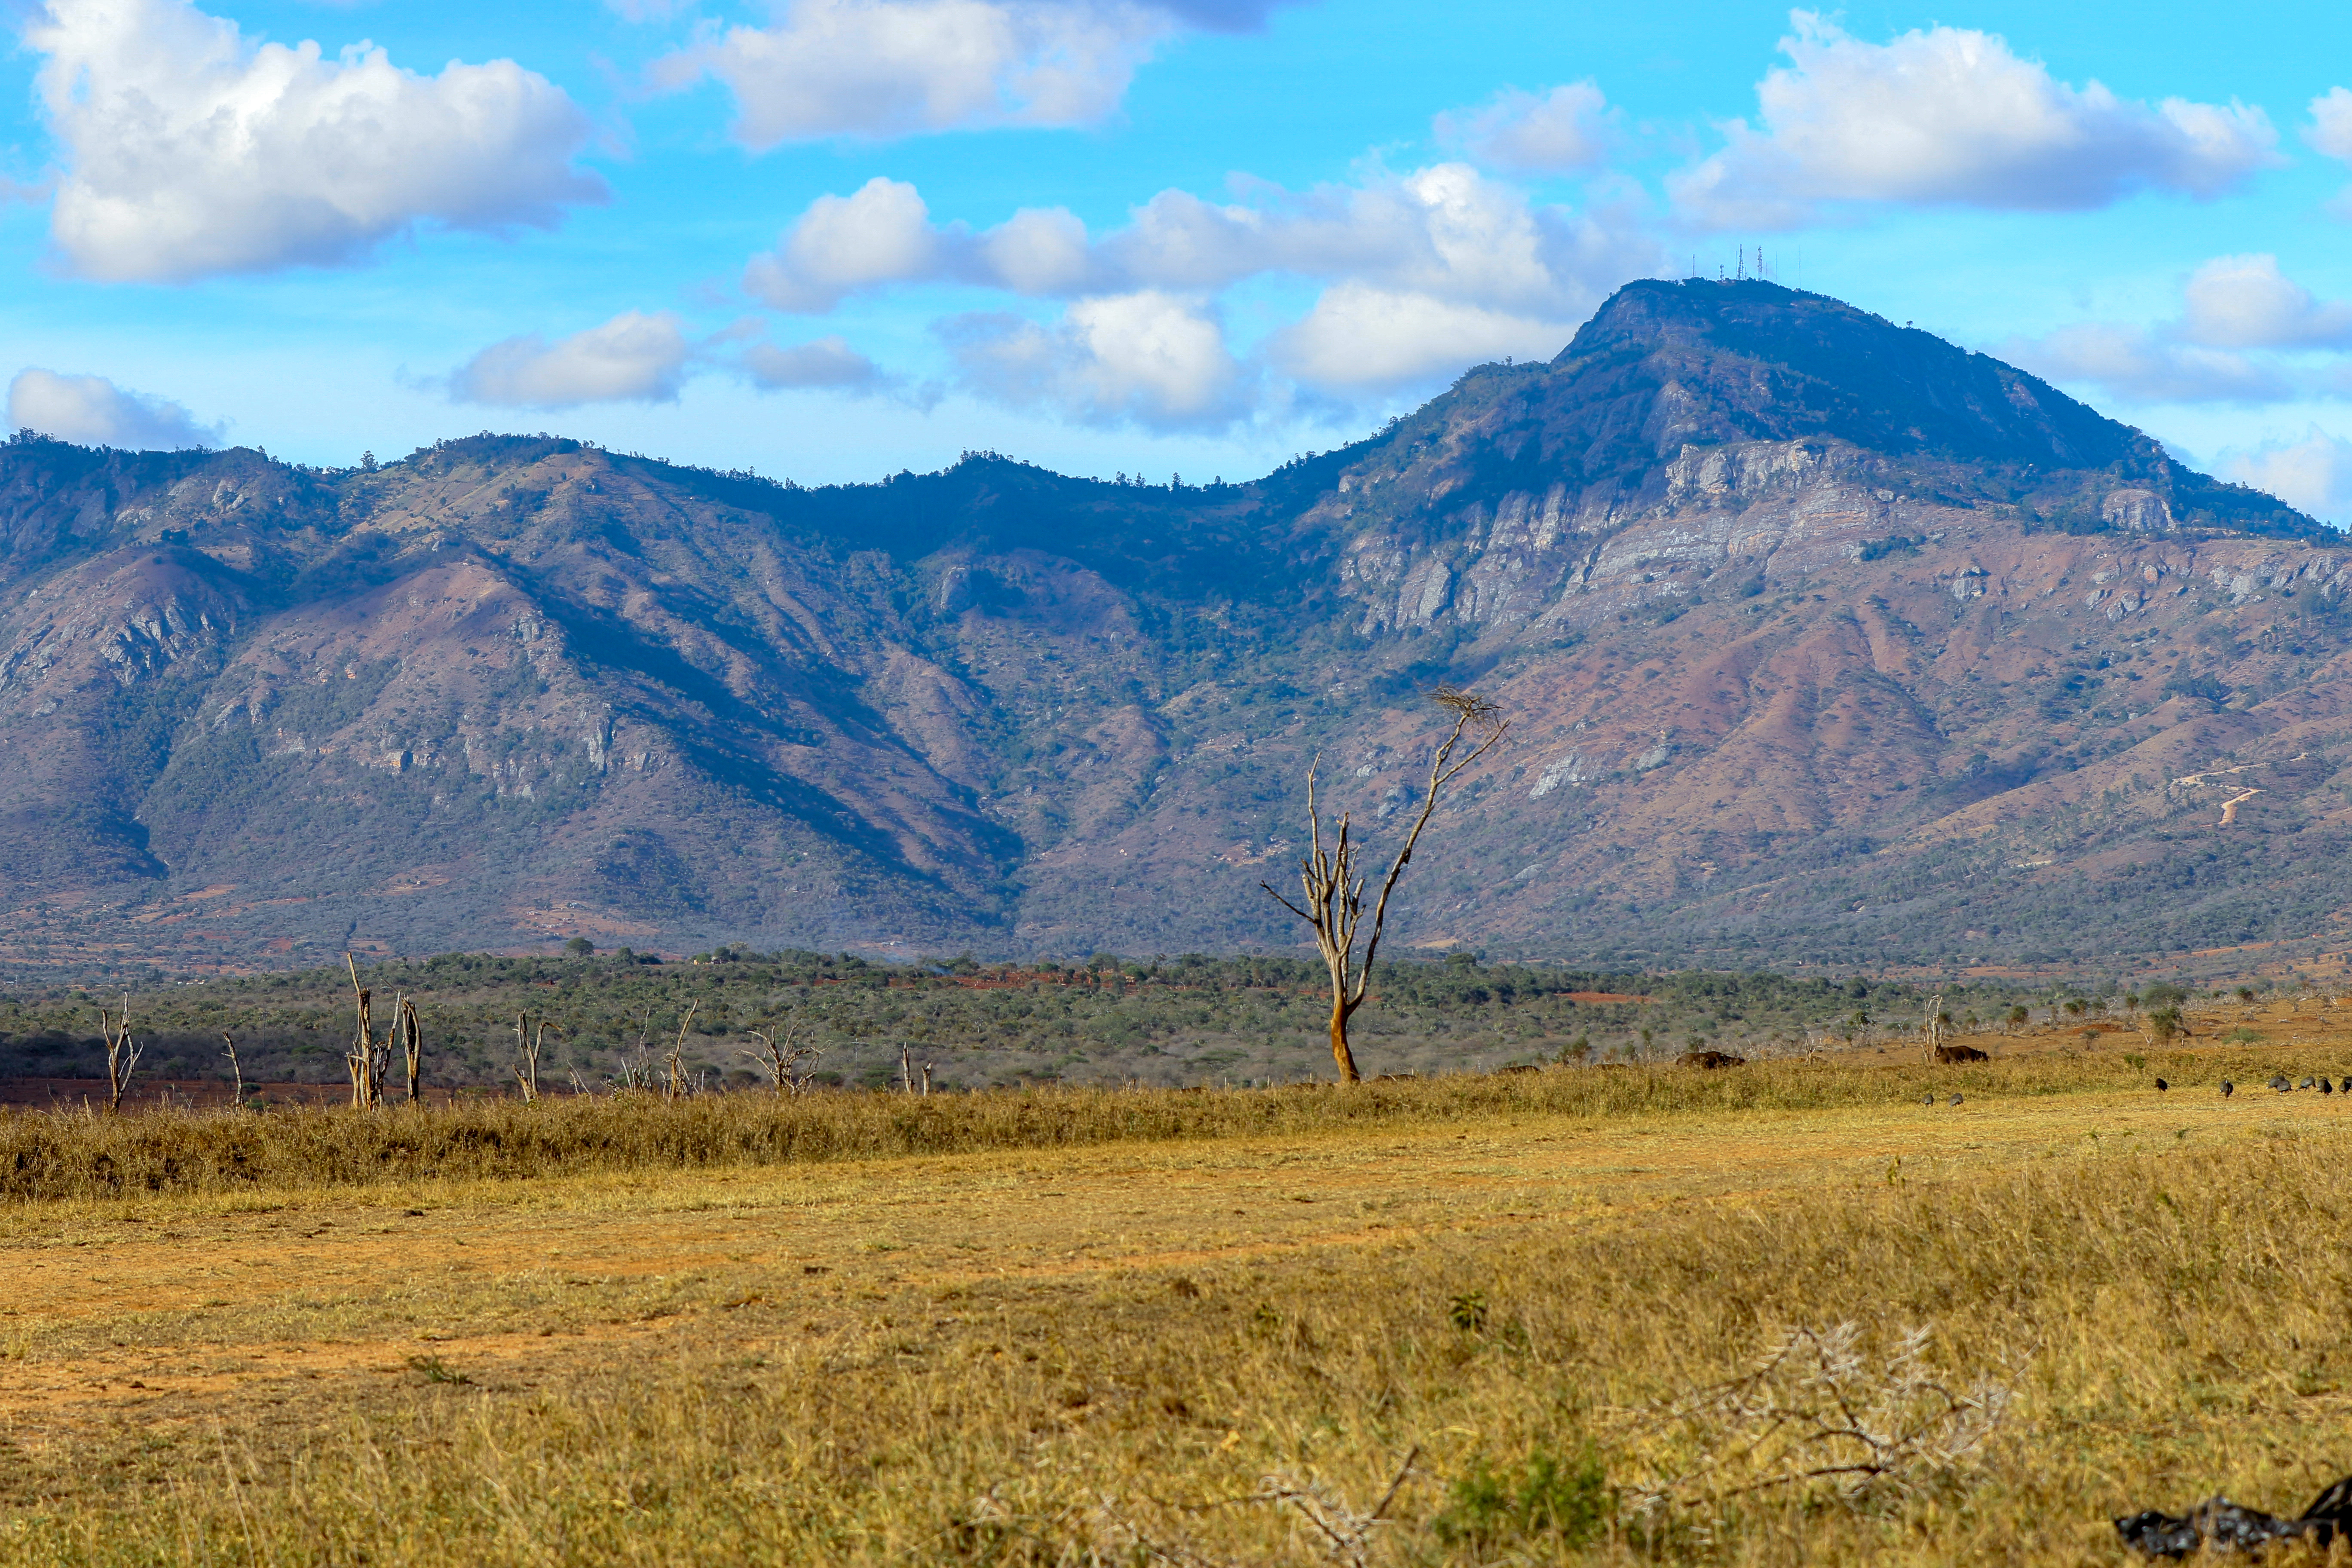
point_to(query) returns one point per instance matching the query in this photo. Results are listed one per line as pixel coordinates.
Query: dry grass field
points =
(1078, 1327)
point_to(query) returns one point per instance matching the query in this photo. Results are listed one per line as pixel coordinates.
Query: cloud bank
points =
(635, 357)
(94, 412)
(190, 152)
(1422, 273)
(2245, 335)
(1952, 117)
(2313, 474)
(1562, 131)
(879, 68)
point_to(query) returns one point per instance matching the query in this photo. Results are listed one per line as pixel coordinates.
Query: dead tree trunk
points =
(1334, 888)
(367, 1081)
(675, 1088)
(530, 1043)
(1932, 1031)
(236, 1072)
(411, 1041)
(121, 1054)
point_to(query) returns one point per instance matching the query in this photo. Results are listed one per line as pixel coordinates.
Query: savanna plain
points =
(1847, 1308)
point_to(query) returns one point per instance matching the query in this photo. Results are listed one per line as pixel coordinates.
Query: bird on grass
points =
(2304, 1084)
(2346, 1085)
(2161, 1086)
(2278, 1082)
(1955, 1099)
(2228, 1089)
(1927, 1100)
(2326, 1086)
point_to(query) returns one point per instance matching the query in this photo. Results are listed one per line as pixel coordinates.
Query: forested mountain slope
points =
(1823, 638)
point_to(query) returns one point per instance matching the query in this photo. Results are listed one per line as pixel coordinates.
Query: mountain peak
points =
(1668, 366)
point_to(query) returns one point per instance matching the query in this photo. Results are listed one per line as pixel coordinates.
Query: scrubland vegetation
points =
(1177, 1022)
(1090, 1326)
(67, 1155)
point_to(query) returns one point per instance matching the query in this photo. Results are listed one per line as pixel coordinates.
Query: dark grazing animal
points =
(1960, 1054)
(2230, 1526)
(1709, 1059)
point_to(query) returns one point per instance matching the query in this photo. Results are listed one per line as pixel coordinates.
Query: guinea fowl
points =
(2228, 1089)
(2161, 1086)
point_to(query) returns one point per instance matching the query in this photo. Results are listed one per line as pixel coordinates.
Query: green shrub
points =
(1541, 1496)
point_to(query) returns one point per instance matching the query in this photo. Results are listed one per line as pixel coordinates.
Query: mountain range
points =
(1822, 639)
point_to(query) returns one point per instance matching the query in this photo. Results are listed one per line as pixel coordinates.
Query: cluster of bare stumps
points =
(790, 1059)
(369, 1058)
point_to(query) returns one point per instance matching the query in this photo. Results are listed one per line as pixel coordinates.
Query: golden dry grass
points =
(67, 1154)
(1046, 1353)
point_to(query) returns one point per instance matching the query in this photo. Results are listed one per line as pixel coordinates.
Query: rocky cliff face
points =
(1823, 639)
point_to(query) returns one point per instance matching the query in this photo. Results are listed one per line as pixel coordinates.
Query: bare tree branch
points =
(1333, 885)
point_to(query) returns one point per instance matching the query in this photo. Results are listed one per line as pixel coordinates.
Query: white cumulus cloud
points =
(2330, 131)
(1037, 250)
(94, 412)
(2313, 474)
(827, 362)
(1564, 130)
(635, 357)
(2140, 366)
(1360, 336)
(2246, 334)
(880, 233)
(1448, 231)
(2330, 135)
(1425, 273)
(191, 150)
(1149, 358)
(897, 67)
(2245, 302)
(1948, 116)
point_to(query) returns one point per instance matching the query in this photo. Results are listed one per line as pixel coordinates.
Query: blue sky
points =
(833, 238)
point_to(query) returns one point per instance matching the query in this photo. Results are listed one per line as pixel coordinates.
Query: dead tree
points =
(121, 1053)
(789, 1061)
(1334, 888)
(236, 1072)
(412, 1043)
(675, 1088)
(1931, 1031)
(531, 1043)
(366, 1059)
